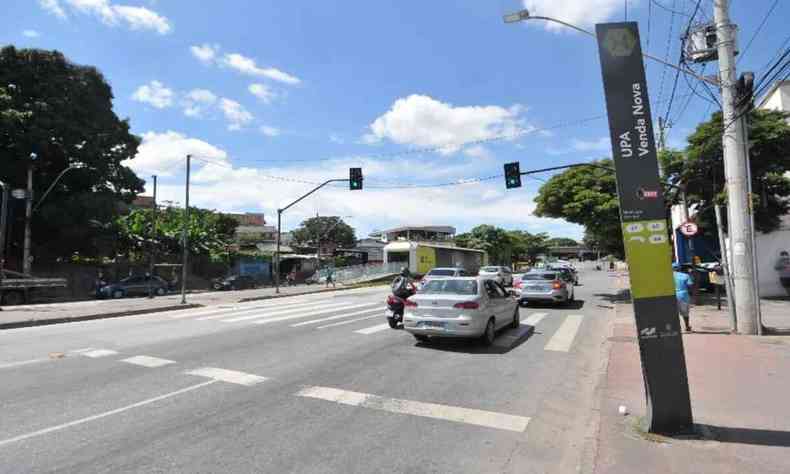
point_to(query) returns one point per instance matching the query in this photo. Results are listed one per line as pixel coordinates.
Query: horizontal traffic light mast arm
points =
(312, 191)
(591, 165)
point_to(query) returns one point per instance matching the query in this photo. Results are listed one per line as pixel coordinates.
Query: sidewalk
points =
(54, 313)
(739, 387)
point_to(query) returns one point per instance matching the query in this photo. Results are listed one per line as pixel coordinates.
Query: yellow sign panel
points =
(426, 259)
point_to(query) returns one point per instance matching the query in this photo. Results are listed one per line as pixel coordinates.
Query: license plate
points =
(432, 324)
(388, 313)
(535, 288)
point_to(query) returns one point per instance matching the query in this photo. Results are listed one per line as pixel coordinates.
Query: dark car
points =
(234, 282)
(135, 286)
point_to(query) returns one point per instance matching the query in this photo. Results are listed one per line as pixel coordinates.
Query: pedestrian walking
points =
(683, 281)
(330, 277)
(782, 267)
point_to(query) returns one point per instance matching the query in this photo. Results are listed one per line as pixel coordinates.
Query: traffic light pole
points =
(279, 230)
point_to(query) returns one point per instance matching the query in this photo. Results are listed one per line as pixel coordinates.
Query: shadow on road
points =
(506, 341)
(576, 304)
(759, 437)
(622, 296)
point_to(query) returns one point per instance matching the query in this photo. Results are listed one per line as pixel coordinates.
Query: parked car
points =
(468, 307)
(546, 286)
(442, 273)
(502, 275)
(234, 282)
(135, 286)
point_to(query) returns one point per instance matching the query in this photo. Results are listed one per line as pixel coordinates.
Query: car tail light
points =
(467, 305)
(409, 303)
(558, 285)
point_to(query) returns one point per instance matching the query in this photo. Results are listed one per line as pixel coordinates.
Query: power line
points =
(666, 8)
(757, 32)
(680, 61)
(666, 54)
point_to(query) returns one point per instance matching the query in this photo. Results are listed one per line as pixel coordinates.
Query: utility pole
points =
(725, 265)
(739, 210)
(185, 238)
(26, 263)
(3, 219)
(153, 243)
(277, 253)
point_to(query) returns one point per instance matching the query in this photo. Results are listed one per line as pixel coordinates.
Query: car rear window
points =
(441, 273)
(540, 276)
(490, 269)
(451, 287)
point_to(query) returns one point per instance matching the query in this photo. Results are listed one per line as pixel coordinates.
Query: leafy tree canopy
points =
(494, 240)
(562, 242)
(326, 229)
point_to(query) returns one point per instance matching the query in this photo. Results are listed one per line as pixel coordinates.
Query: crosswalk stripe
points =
(147, 361)
(563, 338)
(96, 353)
(534, 319)
(263, 308)
(489, 419)
(262, 315)
(339, 316)
(298, 316)
(242, 307)
(373, 329)
(230, 376)
(355, 320)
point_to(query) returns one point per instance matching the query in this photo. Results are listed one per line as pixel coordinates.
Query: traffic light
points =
(512, 175)
(355, 179)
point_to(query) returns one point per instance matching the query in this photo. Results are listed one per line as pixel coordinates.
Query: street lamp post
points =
(3, 218)
(26, 263)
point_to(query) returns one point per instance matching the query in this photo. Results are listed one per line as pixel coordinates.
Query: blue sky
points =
(257, 87)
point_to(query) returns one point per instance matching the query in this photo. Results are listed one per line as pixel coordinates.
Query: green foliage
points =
(327, 229)
(209, 233)
(63, 113)
(700, 169)
(494, 240)
(562, 242)
(585, 196)
(527, 246)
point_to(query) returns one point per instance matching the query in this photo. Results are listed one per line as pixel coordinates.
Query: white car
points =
(473, 307)
(502, 275)
(442, 273)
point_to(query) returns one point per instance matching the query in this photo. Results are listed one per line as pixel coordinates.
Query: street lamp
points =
(73, 166)
(524, 15)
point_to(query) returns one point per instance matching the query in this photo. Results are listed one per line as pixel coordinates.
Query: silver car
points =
(460, 307)
(503, 275)
(442, 273)
(546, 286)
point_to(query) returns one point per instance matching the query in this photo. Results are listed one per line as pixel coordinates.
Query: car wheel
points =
(421, 338)
(490, 333)
(393, 323)
(117, 294)
(160, 291)
(523, 303)
(516, 319)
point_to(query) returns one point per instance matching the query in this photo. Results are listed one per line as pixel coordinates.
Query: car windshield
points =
(540, 276)
(452, 287)
(490, 269)
(442, 273)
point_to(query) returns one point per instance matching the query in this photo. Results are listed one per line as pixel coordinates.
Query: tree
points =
(526, 246)
(562, 242)
(63, 112)
(494, 240)
(325, 229)
(700, 169)
(209, 233)
(585, 196)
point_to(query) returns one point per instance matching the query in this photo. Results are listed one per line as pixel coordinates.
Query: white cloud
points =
(247, 66)
(54, 8)
(335, 138)
(262, 92)
(154, 93)
(235, 113)
(135, 18)
(422, 121)
(270, 131)
(31, 34)
(196, 101)
(205, 53)
(478, 151)
(577, 12)
(165, 153)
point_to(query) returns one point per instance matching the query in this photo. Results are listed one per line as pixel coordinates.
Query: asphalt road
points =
(312, 384)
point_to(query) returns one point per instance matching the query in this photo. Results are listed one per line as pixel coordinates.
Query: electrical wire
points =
(757, 32)
(680, 62)
(666, 8)
(666, 54)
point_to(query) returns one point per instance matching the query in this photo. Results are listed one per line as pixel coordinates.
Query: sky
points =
(271, 97)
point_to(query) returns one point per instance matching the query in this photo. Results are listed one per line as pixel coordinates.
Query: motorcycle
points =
(402, 288)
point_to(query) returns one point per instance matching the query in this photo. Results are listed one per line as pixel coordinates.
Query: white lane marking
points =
(230, 376)
(264, 314)
(103, 415)
(373, 329)
(331, 318)
(534, 319)
(319, 313)
(79, 351)
(471, 416)
(355, 320)
(236, 308)
(147, 361)
(277, 307)
(8, 365)
(563, 338)
(96, 353)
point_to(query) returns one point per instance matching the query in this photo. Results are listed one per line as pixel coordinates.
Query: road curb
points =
(286, 295)
(89, 317)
